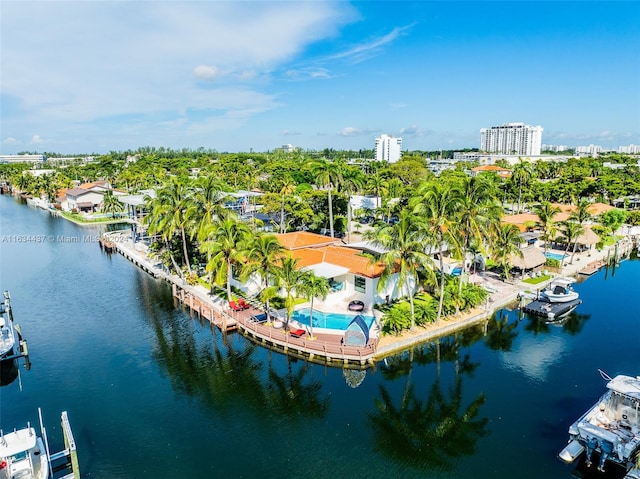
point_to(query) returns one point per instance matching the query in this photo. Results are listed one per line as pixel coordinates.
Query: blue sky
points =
(96, 76)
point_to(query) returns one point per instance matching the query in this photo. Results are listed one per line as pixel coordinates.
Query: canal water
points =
(154, 393)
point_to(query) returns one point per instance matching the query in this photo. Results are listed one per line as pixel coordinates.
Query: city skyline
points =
(94, 77)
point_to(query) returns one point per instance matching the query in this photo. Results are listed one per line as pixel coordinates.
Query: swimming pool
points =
(328, 320)
(557, 256)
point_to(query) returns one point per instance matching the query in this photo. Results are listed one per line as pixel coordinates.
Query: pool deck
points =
(326, 347)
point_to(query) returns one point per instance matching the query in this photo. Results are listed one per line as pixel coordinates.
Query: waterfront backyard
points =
(153, 392)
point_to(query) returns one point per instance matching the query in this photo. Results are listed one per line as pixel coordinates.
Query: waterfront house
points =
(81, 199)
(351, 273)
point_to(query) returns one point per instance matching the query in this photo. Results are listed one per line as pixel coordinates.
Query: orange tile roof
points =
(340, 256)
(303, 239)
(594, 209)
(490, 168)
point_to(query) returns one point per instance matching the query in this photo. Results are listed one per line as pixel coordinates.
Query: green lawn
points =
(537, 280)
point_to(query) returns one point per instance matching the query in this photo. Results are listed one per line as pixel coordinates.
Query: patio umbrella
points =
(532, 256)
(588, 238)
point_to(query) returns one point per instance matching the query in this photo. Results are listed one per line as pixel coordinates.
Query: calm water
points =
(153, 393)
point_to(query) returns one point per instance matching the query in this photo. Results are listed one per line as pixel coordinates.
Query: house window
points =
(360, 284)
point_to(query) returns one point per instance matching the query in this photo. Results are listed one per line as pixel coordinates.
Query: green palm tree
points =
(111, 203)
(437, 204)
(506, 242)
(168, 211)
(224, 245)
(207, 204)
(314, 287)
(546, 211)
(405, 254)
(328, 175)
(522, 174)
(289, 278)
(288, 186)
(478, 210)
(352, 181)
(571, 230)
(262, 254)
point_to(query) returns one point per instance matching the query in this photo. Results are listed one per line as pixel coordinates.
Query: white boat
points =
(560, 291)
(611, 427)
(7, 331)
(25, 454)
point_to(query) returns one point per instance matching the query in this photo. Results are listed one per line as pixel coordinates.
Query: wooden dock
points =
(550, 310)
(323, 348)
(592, 268)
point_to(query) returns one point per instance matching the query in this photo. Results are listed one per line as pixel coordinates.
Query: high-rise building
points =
(512, 139)
(388, 148)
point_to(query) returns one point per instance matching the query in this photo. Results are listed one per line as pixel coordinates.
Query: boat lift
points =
(20, 349)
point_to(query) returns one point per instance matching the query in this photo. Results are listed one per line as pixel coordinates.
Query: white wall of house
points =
(93, 197)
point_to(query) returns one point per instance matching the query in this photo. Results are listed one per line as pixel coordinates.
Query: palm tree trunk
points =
(330, 213)
(413, 313)
(282, 216)
(573, 253)
(441, 285)
(311, 319)
(173, 260)
(464, 257)
(229, 276)
(184, 249)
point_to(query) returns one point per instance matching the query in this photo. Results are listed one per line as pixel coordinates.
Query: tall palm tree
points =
(582, 215)
(352, 181)
(207, 204)
(329, 176)
(168, 211)
(571, 230)
(506, 242)
(522, 174)
(314, 287)
(289, 278)
(111, 203)
(262, 254)
(478, 210)
(437, 204)
(379, 185)
(546, 211)
(224, 244)
(288, 186)
(405, 254)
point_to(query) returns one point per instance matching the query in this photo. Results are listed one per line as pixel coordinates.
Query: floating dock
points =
(550, 310)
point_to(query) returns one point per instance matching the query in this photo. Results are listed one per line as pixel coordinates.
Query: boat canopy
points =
(625, 385)
(357, 333)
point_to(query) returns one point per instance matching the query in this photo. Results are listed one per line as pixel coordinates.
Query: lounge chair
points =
(297, 333)
(242, 304)
(233, 305)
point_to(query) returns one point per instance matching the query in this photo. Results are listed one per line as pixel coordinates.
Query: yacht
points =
(560, 290)
(610, 428)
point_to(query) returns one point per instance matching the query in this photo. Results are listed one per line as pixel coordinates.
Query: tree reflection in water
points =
(431, 433)
(500, 332)
(223, 377)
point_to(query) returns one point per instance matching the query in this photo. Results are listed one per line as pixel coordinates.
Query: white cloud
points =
(206, 72)
(413, 130)
(10, 141)
(291, 133)
(142, 65)
(36, 140)
(351, 131)
(313, 73)
(365, 50)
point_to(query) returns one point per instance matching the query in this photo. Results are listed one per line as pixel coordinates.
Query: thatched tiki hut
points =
(532, 257)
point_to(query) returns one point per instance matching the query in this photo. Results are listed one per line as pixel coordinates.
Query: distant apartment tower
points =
(388, 148)
(512, 139)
